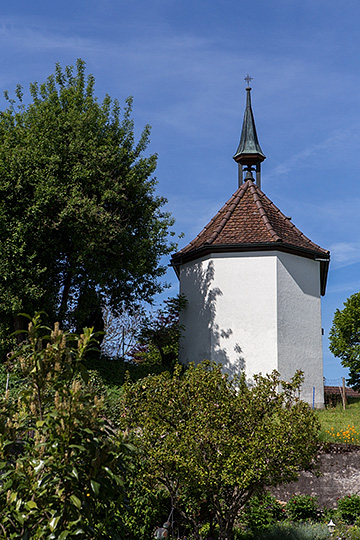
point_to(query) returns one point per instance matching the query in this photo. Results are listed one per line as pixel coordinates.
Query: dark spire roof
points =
(249, 147)
(249, 221)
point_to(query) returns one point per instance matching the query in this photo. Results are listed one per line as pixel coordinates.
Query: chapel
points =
(253, 283)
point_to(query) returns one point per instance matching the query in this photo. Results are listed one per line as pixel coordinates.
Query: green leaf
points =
(31, 505)
(39, 466)
(76, 502)
(13, 497)
(75, 473)
(84, 373)
(78, 447)
(95, 486)
(53, 523)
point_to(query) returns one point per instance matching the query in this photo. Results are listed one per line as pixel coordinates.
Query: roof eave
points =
(323, 257)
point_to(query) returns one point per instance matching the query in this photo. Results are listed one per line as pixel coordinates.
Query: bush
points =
(292, 531)
(302, 508)
(344, 532)
(261, 512)
(349, 508)
(61, 463)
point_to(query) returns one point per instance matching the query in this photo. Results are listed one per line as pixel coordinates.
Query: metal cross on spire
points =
(248, 79)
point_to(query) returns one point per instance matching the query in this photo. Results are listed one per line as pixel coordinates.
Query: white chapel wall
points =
(299, 323)
(258, 311)
(238, 311)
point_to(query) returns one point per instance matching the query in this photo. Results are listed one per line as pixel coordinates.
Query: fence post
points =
(344, 393)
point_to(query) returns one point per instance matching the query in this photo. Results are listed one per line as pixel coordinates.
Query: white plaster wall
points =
(231, 314)
(257, 311)
(299, 323)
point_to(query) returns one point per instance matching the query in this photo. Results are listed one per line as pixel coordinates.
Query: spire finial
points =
(249, 153)
(248, 79)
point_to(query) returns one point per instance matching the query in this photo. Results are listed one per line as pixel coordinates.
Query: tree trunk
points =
(226, 529)
(64, 298)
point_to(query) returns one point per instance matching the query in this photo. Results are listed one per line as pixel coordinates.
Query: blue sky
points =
(185, 62)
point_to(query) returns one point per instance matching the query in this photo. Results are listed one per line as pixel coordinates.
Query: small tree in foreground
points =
(206, 438)
(61, 464)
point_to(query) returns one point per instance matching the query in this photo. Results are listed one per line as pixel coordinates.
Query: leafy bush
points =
(61, 464)
(349, 508)
(302, 508)
(344, 532)
(292, 531)
(261, 512)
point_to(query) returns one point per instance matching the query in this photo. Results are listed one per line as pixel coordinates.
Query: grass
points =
(339, 425)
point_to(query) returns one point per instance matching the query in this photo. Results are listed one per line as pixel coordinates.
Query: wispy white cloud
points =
(34, 39)
(336, 138)
(345, 253)
(348, 287)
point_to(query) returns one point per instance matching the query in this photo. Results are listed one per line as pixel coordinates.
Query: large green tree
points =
(79, 218)
(213, 442)
(345, 338)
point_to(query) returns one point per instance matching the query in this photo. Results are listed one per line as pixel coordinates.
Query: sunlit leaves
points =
(207, 437)
(79, 217)
(345, 337)
(61, 463)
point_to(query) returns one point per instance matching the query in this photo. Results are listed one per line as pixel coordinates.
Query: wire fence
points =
(336, 391)
(333, 382)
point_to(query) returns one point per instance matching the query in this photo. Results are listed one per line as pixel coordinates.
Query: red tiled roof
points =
(336, 390)
(248, 221)
(249, 217)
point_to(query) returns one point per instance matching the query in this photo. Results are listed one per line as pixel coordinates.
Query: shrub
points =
(261, 512)
(61, 463)
(349, 508)
(344, 532)
(292, 531)
(302, 508)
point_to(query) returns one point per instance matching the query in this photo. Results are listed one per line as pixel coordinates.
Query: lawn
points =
(339, 425)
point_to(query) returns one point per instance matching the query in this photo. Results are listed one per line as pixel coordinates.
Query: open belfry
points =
(253, 283)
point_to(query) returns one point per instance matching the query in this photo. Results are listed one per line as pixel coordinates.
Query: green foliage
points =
(303, 508)
(107, 376)
(207, 438)
(348, 508)
(262, 511)
(61, 463)
(344, 532)
(292, 531)
(158, 336)
(148, 506)
(345, 338)
(79, 218)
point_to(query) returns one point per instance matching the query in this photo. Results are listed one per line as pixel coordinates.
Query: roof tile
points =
(249, 217)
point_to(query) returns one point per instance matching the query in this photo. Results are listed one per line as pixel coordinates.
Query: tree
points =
(79, 218)
(213, 442)
(61, 462)
(159, 333)
(121, 332)
(345, 338)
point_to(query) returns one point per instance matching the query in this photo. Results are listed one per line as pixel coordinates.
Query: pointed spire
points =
(249, 152)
